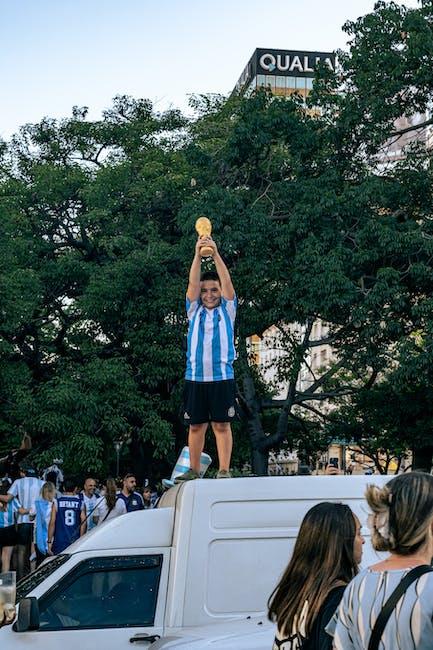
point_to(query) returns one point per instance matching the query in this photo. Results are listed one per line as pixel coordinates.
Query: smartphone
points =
(333, 462)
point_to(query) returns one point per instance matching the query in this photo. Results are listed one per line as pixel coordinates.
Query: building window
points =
(261, 80)
(270, 82)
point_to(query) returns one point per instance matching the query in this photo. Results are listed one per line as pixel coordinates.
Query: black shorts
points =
(209, 401)
(24, 534)
(8, 536)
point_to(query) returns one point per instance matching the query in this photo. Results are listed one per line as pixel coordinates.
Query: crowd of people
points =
(40, 517)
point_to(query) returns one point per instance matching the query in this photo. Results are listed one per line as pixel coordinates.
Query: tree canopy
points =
(97, 234)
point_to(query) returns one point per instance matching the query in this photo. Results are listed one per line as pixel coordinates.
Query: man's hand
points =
(331, 470)
(26, 442)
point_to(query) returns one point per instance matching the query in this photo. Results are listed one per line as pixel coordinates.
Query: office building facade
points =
(284, 72)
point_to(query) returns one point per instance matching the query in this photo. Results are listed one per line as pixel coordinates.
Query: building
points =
(284, 72)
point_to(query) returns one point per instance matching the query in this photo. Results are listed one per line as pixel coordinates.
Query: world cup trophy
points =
(204, 228)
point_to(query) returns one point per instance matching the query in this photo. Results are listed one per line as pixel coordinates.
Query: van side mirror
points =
(28, 615)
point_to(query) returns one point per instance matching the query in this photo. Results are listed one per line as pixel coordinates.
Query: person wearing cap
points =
(26, 489)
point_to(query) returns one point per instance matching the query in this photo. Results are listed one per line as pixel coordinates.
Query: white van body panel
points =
(251, 634)
(241, 533)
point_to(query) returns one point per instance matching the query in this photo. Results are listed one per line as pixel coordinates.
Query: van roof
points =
(251, 488)
(132, 530)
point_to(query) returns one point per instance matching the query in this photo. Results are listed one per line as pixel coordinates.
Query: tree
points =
(85, 361)
(97, 231)
(356, 232)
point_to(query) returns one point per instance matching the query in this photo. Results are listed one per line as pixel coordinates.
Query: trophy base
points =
(206, 251)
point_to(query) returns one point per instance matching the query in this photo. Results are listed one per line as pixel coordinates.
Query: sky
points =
(56, 54)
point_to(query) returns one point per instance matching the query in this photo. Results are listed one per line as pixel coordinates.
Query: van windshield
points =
(33, 580)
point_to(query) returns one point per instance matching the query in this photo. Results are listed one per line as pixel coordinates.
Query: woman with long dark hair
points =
(108, 507)
(327, 552)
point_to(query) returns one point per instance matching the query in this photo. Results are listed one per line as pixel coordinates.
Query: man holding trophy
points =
(210, 386)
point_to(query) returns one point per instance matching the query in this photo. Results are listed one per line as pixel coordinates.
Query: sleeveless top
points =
(68, 522)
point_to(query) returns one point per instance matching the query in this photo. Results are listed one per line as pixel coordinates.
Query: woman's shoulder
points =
(370, 584)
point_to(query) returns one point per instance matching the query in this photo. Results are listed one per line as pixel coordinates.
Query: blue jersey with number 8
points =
(68, 521)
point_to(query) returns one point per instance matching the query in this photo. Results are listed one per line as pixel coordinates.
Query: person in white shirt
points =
(26, 489)
(90, 500)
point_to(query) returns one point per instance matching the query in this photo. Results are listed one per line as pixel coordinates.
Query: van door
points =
(109, 603)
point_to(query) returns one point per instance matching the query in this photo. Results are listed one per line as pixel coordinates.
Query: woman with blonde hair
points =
(390, 604)
(327, 552)
(41, 514)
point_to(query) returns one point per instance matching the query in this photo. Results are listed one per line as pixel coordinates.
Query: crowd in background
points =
(41, 515)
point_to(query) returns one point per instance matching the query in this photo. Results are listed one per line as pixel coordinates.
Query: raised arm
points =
(227, 288)
(193, 291)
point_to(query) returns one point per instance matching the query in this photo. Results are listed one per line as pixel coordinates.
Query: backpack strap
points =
(392, 601)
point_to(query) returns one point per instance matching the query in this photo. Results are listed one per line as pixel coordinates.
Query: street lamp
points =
(117, 447)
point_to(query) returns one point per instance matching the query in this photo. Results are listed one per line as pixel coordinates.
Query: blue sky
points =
(55, 54)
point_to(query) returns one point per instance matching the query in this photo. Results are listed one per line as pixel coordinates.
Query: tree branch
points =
(413, 127)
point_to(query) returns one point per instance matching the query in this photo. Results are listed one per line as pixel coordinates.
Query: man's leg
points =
(23, 561)
(24, 539)
(224, 443)
(196, 438)
(6, 558)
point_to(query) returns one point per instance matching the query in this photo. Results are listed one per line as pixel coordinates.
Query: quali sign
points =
(293, 63)
(288, 63)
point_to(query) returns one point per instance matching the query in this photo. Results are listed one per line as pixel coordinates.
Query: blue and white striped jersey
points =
(27, 490)
(8, 513)
(90, 505)
(211, 347)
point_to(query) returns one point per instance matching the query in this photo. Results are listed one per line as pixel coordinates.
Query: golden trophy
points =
(204, 228)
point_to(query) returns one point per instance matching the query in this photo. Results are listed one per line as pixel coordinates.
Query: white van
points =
(194, 573)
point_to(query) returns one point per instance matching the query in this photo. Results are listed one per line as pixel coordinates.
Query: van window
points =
(104, 592)
(33, 580)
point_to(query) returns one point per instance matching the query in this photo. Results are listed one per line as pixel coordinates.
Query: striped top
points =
(42, 513)
(211, 348)
(90, 504)
(8, 513)
(27, 490)
(410, 626)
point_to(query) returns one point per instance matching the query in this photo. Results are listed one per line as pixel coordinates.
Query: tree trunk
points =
(259, 462)
(251, 411)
